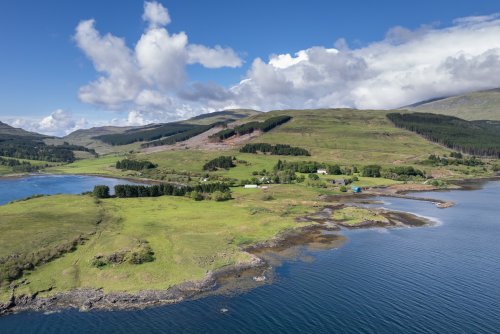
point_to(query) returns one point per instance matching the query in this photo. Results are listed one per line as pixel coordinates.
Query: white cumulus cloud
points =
(128, 77)
(57, 123)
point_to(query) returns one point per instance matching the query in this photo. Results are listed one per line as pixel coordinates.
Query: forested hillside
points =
(472, 137)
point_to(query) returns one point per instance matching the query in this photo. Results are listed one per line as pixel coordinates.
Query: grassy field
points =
(354, 216)
(102, 165)
(186, 244)
(45, 222)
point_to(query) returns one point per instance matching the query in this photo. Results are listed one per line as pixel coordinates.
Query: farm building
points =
(251, 186)
(322, 171)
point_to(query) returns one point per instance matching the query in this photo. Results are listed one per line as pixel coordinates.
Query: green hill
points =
(91, 138)
(482, 105)
(7, 130)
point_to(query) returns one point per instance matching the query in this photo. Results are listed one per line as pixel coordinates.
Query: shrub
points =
(313, 176)
(220, 196)
(267, 197)
(343, 189)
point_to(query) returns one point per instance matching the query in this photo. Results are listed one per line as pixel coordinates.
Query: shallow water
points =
(18, 188)
(440, 279)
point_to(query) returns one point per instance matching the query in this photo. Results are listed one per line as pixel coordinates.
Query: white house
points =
(322, 171)
(251, 186)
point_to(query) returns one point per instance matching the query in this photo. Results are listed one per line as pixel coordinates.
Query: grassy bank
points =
(188, 238)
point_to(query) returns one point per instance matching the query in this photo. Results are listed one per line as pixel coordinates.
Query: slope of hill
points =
(482, 105)
(90, 137)
(7, 130)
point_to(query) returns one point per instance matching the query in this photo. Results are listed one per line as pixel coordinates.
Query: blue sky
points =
(43, 67)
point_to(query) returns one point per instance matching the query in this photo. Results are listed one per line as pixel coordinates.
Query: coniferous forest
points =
(36, 149)
(472, 137)
(250, 127)
(278, 149)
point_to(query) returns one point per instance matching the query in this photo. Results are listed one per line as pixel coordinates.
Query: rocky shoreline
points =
(321, 232)
(318, 233)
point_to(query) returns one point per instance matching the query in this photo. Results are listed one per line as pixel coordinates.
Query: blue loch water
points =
(18, 188)
(439, 279)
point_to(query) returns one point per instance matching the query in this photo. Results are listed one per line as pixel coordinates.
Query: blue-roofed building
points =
(356, 189)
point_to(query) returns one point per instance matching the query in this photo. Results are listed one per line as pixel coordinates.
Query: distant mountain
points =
(8, 130)
(481, 105)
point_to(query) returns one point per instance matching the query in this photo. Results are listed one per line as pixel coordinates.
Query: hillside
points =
(482, 105)
(90, 137)
(337, 136)
(7, 130)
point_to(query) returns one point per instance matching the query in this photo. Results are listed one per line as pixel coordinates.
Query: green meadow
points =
(188, 238)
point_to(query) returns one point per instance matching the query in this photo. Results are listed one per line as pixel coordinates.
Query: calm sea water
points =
(18, 188)
(441, 279)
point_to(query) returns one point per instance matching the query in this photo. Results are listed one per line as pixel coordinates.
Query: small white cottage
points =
(322, 171)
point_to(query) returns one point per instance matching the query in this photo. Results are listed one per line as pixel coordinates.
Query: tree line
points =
(454, 159)
(278, 149)
(163, 189)
(33, 149)
(480, 138)
(20, 166)
(250, 127)
(129, 164)
(149, 133)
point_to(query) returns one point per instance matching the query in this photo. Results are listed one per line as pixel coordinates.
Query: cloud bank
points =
(57, 123)
(406, 67)
(149, 81)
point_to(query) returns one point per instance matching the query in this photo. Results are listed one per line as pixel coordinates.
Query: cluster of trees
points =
(36, 150)
(312, 167)
(185, 135)
(250, 127)
(19, 166)
(217, 190)
(130, 164)
(473, 137)
(12, 267)
(278, 149)
(299, 166)
(101, 191)
(371, 171)
(219, 162)
(403, 173)
(146, 134)
(455, 159)
(72, 147)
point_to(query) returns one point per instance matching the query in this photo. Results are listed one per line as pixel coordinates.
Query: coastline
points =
(322, 232)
